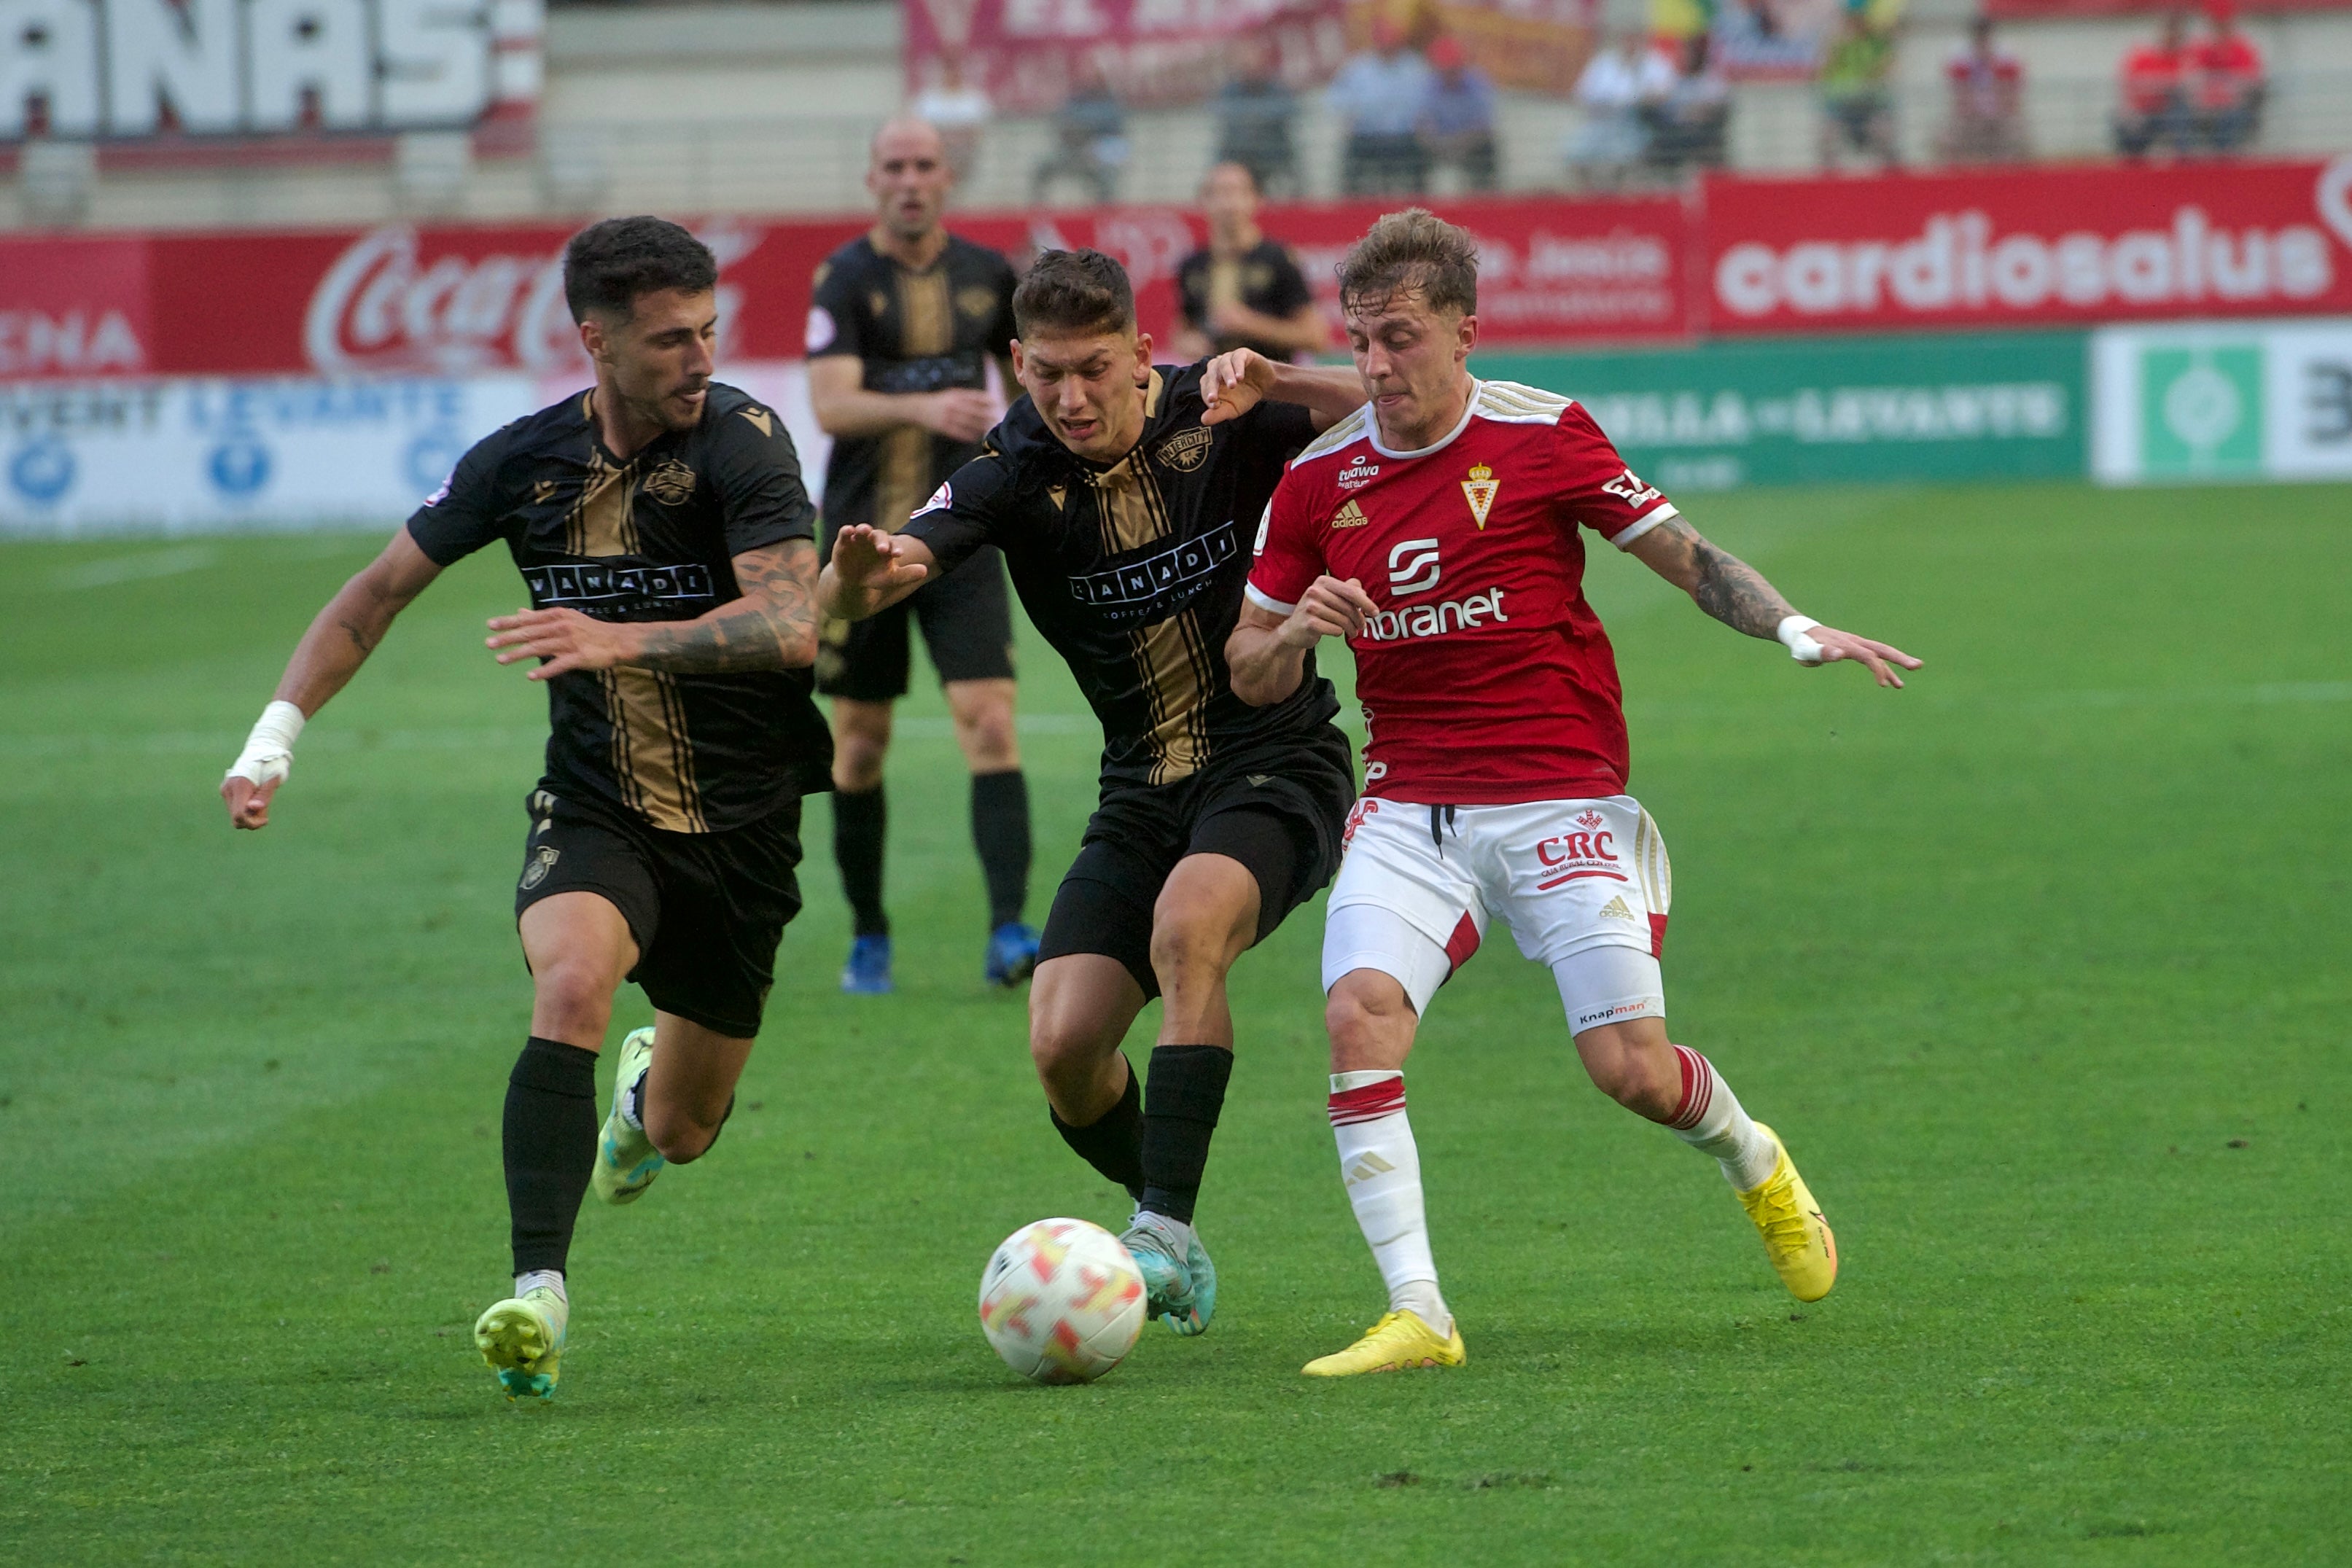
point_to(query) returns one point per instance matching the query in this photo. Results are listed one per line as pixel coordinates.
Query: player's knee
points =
(1633, 1063)
(571, 999)
(857, 764)
(985, 732)
(678, 1135)
(1062, 1050)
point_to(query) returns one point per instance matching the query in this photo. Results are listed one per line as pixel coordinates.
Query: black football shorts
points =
(967, 623)
(1277, 807)
(706, 909)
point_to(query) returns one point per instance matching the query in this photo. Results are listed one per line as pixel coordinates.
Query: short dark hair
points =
(1074, 291)
(1411, 252)
(608, 265)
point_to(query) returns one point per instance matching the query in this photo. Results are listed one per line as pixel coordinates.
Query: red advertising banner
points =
(455, 302)
(2018, 247)
(1027, 55)
(2043, 10)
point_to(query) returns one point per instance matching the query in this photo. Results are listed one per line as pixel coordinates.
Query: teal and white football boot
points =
(627, 1160)
(1180, 1284)
(522, 1339)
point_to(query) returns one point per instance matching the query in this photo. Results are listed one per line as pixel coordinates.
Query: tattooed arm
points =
(1736, 594)
(772, 627)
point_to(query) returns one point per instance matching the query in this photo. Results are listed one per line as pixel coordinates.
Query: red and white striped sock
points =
(1708, 1117)
(1382, 1170)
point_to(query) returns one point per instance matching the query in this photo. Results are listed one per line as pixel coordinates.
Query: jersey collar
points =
(1470, 409)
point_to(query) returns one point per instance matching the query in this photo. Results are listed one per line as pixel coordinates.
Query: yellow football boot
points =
(1800, 1242)
(523, 1338)
(627, 1160)
(1399, 1340)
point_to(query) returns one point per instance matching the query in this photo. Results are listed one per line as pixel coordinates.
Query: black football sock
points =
(1000, 831)
(1113, 1145)
(1179, 1115)
(859, 816)
(550, 1139)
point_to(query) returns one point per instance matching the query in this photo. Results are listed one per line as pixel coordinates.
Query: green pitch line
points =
(2040, 966)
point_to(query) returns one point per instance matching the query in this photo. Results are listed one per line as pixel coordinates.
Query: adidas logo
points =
(1366, 1168)
(1615, 910)
(1351, 516)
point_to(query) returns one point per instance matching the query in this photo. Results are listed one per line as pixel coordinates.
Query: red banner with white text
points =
(2023, 248)
(457, 301)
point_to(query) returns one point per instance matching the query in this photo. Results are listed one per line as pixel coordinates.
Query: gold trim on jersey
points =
(603, 520)
(652, 757)
(926, 327)
(1171, 656)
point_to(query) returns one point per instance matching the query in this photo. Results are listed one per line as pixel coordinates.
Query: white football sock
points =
(1179, 1232)
(1709, 1118)
(1382, 1170)
(551, 1279)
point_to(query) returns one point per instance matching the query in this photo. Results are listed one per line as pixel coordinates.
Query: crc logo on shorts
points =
(1587, 851)
(1359, 472)
(542, 861)
(1186, 450)
(1356, 817)
(1413, 567)
(671, 483)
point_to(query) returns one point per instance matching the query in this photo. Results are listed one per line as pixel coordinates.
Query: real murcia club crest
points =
(1480, 490)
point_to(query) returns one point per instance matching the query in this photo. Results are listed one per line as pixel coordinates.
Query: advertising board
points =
(2020, 247)
(198, 454)
(2221, 401)
(1924, 407)
(401, 299)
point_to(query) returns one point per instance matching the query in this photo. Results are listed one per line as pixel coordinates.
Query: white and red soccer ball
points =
(1062, 1302)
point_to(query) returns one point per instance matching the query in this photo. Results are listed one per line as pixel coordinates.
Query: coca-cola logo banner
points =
(2061, 244)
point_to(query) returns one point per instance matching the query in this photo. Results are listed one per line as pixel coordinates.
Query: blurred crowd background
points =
(764, 106)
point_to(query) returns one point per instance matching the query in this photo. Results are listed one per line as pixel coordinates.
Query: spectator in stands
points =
(1688, 125)
(958, 110)
(1987, 120)
(1857, 110)
(1458, 115)
(1623, 75)
(1255, 111)
(2155, 93)
(1378, 97)
(1090, 138)
(2226, 102)
(1243, 290)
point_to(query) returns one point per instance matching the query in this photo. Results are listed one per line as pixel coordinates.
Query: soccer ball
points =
(1061, 1302)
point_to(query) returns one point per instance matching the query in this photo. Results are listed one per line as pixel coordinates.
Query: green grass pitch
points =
(2040, 966)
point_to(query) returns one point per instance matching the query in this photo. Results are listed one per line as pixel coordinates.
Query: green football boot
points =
(522, 1339)
(1179, 1292)
(627, 1160)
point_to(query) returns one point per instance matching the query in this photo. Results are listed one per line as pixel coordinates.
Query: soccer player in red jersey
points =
(1435, 530)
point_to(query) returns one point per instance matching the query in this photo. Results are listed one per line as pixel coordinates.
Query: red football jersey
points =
(1486, 678)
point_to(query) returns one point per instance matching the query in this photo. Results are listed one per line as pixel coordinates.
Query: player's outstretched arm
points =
(340, 637)
(1736, 594)
(1239, 380)
(772, 627)
(870, 571)
(1265, 658)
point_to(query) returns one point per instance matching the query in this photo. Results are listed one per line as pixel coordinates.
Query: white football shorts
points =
(1584, 886)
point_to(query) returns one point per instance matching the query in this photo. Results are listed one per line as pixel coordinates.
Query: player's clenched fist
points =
(1329, 608)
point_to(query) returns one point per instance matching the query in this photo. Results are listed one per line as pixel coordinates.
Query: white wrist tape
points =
(1801, 648)
(268, 753)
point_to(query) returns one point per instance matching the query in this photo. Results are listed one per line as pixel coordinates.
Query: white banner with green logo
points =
(2239, 400)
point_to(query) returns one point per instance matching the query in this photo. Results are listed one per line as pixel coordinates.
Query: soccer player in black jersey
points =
(1126, 498)
(660, 524)
(904, 321)
(1243, 290)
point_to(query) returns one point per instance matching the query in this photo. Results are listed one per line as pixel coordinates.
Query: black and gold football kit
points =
(1134, 572)
(1265, 278)
(911, 332)
(676, 797)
